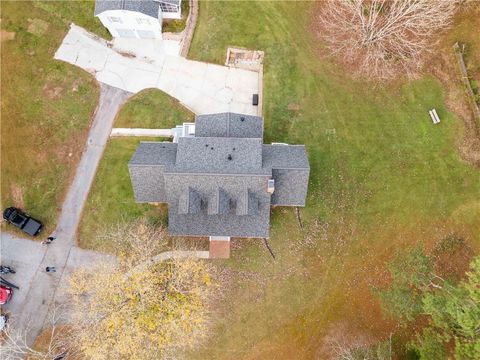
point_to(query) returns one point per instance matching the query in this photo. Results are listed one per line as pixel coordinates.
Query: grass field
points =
(46, 107)
(384, 180)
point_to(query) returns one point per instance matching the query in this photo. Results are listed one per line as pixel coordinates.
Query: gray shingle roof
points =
(229, 125)
(234, 220)
(290, 187)
(218, 202)
(147, 7)
(285, 157)
(217, 185)
(290, 170)
(155, 153)
(219, 155)
(148, 183)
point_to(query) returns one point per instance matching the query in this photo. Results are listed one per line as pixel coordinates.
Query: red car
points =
(5, 294)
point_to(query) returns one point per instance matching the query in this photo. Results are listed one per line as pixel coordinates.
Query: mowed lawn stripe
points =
(383, 178)
(46, 111)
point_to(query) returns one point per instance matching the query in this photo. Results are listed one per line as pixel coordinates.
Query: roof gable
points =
(229, 125)
(207, 155)
(146, 7)
(154, 153)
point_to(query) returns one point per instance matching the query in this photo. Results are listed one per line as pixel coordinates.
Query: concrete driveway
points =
(24, 256)
(134, 65)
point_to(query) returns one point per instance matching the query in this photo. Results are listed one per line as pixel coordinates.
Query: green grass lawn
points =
(386, 178)
(383, 178)
(152, 109)
(46, 107)
(80, 12)
(111, 199)
(177, 26)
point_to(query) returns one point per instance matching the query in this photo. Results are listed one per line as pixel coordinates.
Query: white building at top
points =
(140, 19)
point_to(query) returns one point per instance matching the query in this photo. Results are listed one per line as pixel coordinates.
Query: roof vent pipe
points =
(271, 186)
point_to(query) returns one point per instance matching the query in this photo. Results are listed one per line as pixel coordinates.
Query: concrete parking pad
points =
(134, 65)
(24, 256)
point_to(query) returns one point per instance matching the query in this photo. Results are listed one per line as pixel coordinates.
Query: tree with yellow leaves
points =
(136, 308)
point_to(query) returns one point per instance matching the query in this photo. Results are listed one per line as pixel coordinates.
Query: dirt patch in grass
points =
(17, 195)
(7, 35)
(37, 26)
(52, 91)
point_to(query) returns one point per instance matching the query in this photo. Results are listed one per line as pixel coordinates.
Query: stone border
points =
(189, 29)
(466, 81)
(253, 66)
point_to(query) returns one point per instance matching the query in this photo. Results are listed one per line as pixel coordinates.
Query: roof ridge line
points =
(228, 124)
(211, 174)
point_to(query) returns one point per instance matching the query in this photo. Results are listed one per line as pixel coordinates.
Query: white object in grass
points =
(434, 116)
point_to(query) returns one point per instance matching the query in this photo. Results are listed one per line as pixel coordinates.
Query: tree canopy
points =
(452, 309)
(136, 309)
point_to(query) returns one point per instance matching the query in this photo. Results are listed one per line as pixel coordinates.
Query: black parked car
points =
(21, 220)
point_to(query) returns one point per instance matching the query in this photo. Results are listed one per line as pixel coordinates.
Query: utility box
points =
(255, 100)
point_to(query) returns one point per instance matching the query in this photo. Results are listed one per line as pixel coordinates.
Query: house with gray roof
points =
(220, 180)
(136, 18)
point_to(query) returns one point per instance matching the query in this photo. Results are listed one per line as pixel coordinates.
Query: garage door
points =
(126, 33)
(144, 34)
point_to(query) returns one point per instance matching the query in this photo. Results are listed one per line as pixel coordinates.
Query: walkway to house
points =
(134, 65)
(33, 301)
(141, 132)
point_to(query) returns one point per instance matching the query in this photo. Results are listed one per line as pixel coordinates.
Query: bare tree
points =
(384, 38)
(14, 345)
(343, 350)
